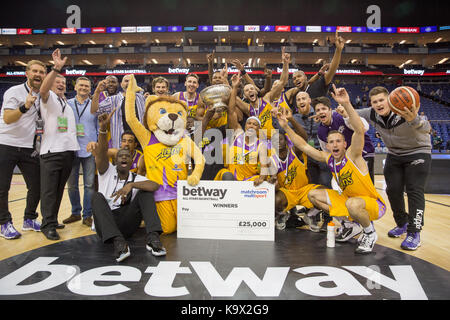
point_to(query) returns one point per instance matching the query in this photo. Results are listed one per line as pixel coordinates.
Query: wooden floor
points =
(435, 235)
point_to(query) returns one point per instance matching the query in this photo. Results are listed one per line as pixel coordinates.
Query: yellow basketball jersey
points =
(292, 172)
(263, 113)
(165, 165)
(192, 105)
(242, 159)
(223, 120)
(351, 181)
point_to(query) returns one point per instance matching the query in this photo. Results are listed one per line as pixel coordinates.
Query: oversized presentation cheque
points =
(228, 210)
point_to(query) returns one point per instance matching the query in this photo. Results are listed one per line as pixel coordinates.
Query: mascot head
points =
(166, 118)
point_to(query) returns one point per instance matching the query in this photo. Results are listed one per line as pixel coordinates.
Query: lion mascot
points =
(166, 149)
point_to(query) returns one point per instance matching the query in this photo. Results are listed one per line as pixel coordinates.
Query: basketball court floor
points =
(296, 266)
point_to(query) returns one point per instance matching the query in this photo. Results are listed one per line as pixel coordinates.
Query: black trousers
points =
(371, 164)
(9, 158)
(127, 219)
(55, 171)
(407, 173)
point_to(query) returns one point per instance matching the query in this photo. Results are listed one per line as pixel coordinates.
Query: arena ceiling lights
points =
(221, 28)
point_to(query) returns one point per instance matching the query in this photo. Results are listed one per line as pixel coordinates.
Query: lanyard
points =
(258, 109)
(84, 109)
(285, 161)
(63, 105)
(250, 148)
(117, 182)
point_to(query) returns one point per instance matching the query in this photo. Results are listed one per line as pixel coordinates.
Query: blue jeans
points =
(88, 165)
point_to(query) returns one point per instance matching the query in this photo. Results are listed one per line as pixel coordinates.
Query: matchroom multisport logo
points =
(354, 282)
(255, 193)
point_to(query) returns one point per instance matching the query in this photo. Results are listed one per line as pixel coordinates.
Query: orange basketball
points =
(403, 97)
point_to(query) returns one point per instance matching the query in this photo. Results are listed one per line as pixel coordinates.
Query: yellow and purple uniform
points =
(166, 165)
(353, 184)
(219, 122)
(240, 159)
(281, 102)
(134, 165)
(192, 105)
(293, 180)
(263, 113)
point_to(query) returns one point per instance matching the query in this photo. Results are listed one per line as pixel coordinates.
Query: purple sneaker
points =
(32, 225)
(397, 232)
(412, 241)
(8, 231)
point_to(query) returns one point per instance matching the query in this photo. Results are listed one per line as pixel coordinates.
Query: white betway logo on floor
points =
(160, 284)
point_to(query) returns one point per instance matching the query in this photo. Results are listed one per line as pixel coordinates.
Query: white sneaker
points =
(347, 231)
(280, 221)
(366, 242)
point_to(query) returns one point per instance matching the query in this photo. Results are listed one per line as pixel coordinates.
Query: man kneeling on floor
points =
(123, 200)
(357, 198)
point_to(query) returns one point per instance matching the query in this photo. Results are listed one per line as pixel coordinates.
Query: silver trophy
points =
(216, 96)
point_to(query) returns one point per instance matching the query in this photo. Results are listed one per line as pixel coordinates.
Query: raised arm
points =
(100, 150)
(136, 126)
(50, 78)
(101, 86)
(339, 43)
(298, 128)
(210, 59)
(267, 82)
(232, 117)
(321, 72)
(298, 141)
(284, 78)
(355, 150)
(245, 75)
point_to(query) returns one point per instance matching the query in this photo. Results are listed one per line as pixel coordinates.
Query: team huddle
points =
(141, 143)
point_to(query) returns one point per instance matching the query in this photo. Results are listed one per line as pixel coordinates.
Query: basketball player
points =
(292, 186)
(261, 107)
(408, 162)
(191, 96)
(319, 87)
(357, 197)
(245, 156)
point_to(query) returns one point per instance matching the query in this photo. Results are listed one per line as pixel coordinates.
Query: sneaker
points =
(295, 221)
(366, 242)
(397, 232)
(31, 225)
(8, 231)
(412, 241)
(347, 231)
(280, 220)
(312, 222)
(121, 249)
(154, 245)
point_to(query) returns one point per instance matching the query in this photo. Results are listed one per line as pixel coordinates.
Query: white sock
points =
(369, 229)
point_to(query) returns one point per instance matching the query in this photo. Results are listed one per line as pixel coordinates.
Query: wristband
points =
(23, 109)
(56, 70)
(103, 132)
(243, 72)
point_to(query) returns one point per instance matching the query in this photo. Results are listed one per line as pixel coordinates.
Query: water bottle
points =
(330, 235)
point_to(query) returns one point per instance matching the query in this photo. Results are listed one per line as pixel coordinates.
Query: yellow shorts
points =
(375, 207)
(299, 196)
(167, 212)
(220, 174)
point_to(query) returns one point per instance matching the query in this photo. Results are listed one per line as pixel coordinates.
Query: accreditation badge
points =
(80, 130)
(62, 124)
